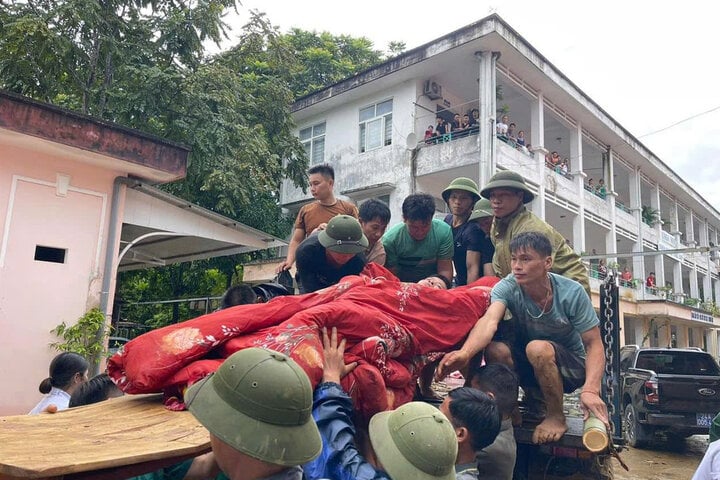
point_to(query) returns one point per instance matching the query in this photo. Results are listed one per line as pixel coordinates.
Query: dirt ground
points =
(663, 462)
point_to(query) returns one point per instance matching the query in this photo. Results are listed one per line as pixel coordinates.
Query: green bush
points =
(82, 337)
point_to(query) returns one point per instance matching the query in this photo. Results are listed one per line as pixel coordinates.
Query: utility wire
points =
(681, 121)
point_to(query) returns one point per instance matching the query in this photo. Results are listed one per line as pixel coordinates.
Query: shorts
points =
(571, 366)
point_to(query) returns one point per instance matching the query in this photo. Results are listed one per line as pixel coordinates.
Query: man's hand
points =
(452, 361)
(284, 266)
(51, 408)
(591, 402)
(334, 367)
(320, 227)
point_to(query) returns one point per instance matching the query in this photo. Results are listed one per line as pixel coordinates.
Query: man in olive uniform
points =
(508, 195)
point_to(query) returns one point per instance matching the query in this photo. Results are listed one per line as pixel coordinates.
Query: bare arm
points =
(472, 263)
(445, 268)
(590, 398)
(480, 337)
(297, 237)
(488, 270)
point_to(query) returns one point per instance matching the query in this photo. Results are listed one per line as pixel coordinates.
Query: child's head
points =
(476, 412)
(97, 389)
(500, 381)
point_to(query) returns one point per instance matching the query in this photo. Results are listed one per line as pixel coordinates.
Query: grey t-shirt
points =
(497, 460)
(571, 314)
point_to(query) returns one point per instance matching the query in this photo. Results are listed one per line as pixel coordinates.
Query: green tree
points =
(324, 59)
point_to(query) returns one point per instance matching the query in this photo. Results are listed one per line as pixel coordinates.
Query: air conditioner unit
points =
(433, 90)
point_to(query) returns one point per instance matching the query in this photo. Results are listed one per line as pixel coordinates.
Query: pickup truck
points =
(671, 390)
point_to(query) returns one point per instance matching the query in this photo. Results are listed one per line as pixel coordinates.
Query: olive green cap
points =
(415, 441)
(508, 179)
(343, 234)
(481, 209)
(260, 403)
(462, 183)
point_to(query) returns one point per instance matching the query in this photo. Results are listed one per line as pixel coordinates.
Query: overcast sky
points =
(647, 65)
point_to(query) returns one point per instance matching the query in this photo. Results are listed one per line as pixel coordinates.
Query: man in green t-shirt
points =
(421, 246)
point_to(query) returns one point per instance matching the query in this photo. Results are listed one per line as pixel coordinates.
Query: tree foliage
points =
(142, 64)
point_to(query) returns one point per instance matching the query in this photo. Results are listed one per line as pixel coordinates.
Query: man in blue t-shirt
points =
(557, 345)
(421, 246)
(460, 196)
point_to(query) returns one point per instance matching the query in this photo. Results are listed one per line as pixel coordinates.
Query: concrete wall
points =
(55, 203)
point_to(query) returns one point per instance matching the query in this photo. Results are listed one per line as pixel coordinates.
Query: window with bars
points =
(375, 126)
(313, 139)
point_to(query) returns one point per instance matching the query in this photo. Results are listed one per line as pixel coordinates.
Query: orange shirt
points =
(315, 213)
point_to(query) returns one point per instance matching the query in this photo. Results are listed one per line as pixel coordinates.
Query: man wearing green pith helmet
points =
(257, 407)
(472, 251)
(508, 193)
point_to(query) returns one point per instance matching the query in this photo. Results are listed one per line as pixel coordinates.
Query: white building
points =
(370, 127)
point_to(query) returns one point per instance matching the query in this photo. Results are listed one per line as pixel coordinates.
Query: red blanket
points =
(393, 329)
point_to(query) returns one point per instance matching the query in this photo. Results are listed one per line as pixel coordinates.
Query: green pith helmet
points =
(414, 441)
(260, 403)
(343, 234)
(508, 179)
(462, 183)
(481, 209)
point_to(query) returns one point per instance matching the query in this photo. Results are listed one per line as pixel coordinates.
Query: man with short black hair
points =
(240, 294)
(420, 246)
(476, 420)
(256, 433)
(321, 179)
(374, 219)
(332, 253)
(497, 461)
(557, 347)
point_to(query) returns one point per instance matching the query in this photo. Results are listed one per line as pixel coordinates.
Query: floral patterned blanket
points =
(393, 329)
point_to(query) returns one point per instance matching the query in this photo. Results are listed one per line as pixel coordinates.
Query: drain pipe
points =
(110, 253)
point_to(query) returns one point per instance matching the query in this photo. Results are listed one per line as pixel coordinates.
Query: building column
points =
(689, 230)
(677, 278)
(716, 290)
(611, 236)
(638, 263)
(537, 123)
(538, 204)
(487, 100)
(576, 167)
(658, 259)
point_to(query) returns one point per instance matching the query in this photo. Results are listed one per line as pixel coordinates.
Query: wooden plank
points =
(125, 431)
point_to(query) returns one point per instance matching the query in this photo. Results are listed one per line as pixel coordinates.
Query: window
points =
(376, 126)
(313, 139)
(50, 254)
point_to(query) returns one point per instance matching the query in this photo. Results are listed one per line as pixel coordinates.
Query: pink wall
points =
(36, 296)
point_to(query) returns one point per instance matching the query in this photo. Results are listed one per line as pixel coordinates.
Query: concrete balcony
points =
(447, 154)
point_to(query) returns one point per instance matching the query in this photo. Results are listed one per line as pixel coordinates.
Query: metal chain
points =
(609, 374)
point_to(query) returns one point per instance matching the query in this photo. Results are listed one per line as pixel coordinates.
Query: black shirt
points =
(469, 236)
(314, 269)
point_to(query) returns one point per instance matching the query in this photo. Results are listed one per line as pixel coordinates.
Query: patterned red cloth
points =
(393, 329)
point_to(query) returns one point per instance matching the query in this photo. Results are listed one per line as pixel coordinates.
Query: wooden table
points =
(115, 439)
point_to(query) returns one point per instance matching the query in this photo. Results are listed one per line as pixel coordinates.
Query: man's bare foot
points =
(550, 430)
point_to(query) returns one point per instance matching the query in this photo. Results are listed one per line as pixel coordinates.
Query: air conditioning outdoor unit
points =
(433, 90)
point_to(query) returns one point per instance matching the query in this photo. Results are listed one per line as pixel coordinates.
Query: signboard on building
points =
(703, 317)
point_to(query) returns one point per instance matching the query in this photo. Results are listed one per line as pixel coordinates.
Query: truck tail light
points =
(651, 392)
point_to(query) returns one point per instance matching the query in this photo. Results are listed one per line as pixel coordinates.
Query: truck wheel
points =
(636, 434)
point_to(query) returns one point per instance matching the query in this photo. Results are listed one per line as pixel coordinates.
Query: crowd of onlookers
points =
(507, 131)
(600, 189)
(460, 126)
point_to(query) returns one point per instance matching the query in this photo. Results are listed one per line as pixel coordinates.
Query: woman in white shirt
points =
(67, 371)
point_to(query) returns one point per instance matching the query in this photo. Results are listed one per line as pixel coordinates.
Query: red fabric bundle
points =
(392, 329)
